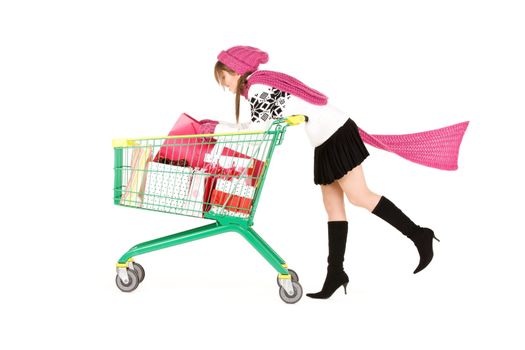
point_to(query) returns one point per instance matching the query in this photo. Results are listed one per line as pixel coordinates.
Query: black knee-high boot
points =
(336, 276)
(421, 236)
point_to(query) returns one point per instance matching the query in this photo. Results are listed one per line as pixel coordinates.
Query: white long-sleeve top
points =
(268, 103)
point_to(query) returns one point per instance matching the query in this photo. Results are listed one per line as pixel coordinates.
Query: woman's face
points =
(230, 80)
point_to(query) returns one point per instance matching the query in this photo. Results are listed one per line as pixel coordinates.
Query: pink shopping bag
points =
(188, 151)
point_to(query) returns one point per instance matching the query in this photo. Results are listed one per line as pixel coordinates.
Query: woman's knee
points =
(362, 199)
(354, 198)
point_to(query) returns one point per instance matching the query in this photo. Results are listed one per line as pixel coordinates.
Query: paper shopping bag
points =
(195, 203)
(134, 193)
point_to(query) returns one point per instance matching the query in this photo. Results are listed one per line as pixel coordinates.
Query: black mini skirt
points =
(342, 152)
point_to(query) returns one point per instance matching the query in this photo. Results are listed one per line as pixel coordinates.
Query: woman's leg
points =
(355, 188)
(333, 198)
(334, 201)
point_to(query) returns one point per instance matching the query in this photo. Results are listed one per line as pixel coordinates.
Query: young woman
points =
(338, 154)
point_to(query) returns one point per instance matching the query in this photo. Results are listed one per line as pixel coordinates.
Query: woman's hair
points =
(241, 84)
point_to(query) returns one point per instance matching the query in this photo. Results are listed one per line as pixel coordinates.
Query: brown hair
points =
(241, 84)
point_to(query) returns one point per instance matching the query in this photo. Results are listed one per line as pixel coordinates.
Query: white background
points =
(74, 75)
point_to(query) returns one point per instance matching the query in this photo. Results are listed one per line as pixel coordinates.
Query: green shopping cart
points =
(214, 176)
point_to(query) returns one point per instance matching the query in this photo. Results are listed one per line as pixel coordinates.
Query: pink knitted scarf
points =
(437, 148)
(286, 83)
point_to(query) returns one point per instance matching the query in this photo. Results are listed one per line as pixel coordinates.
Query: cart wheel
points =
(140, 271)
(291, 299)
(295, 276)
(132, 284)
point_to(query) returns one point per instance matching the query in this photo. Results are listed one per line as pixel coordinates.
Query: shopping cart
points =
(213, 176)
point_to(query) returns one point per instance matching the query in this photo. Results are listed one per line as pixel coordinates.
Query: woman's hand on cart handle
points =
(295, 119)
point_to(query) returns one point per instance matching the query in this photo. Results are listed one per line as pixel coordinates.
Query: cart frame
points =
(130, 273)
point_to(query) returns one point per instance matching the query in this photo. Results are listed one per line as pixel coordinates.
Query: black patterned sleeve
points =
(268, 105)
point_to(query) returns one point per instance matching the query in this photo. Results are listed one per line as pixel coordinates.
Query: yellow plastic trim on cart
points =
(117, 143)
(295, 119)
(122, 265)
(285, 277)
(284, 265)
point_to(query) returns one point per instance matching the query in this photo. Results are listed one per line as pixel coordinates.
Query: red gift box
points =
(214, 173)
(254, 172)
(231, 202)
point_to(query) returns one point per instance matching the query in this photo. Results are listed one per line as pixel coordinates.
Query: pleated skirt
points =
(342, 152)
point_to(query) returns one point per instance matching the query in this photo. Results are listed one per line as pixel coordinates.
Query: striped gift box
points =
(232, 197)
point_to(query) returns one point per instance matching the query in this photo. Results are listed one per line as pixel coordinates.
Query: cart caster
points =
(293, 274)
(132, 280)
(139, 270)
(295, 296)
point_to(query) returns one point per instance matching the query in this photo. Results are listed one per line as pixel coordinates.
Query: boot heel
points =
(344, 285)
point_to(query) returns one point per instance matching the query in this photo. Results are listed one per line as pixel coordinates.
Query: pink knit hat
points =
(243, 59)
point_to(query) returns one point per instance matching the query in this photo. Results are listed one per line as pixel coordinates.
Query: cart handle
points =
(292, 120)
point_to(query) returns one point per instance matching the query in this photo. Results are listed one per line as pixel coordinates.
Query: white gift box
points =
(254, 146)
(235, 186)
(167, 187)
(224, 212)
(227, 162)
